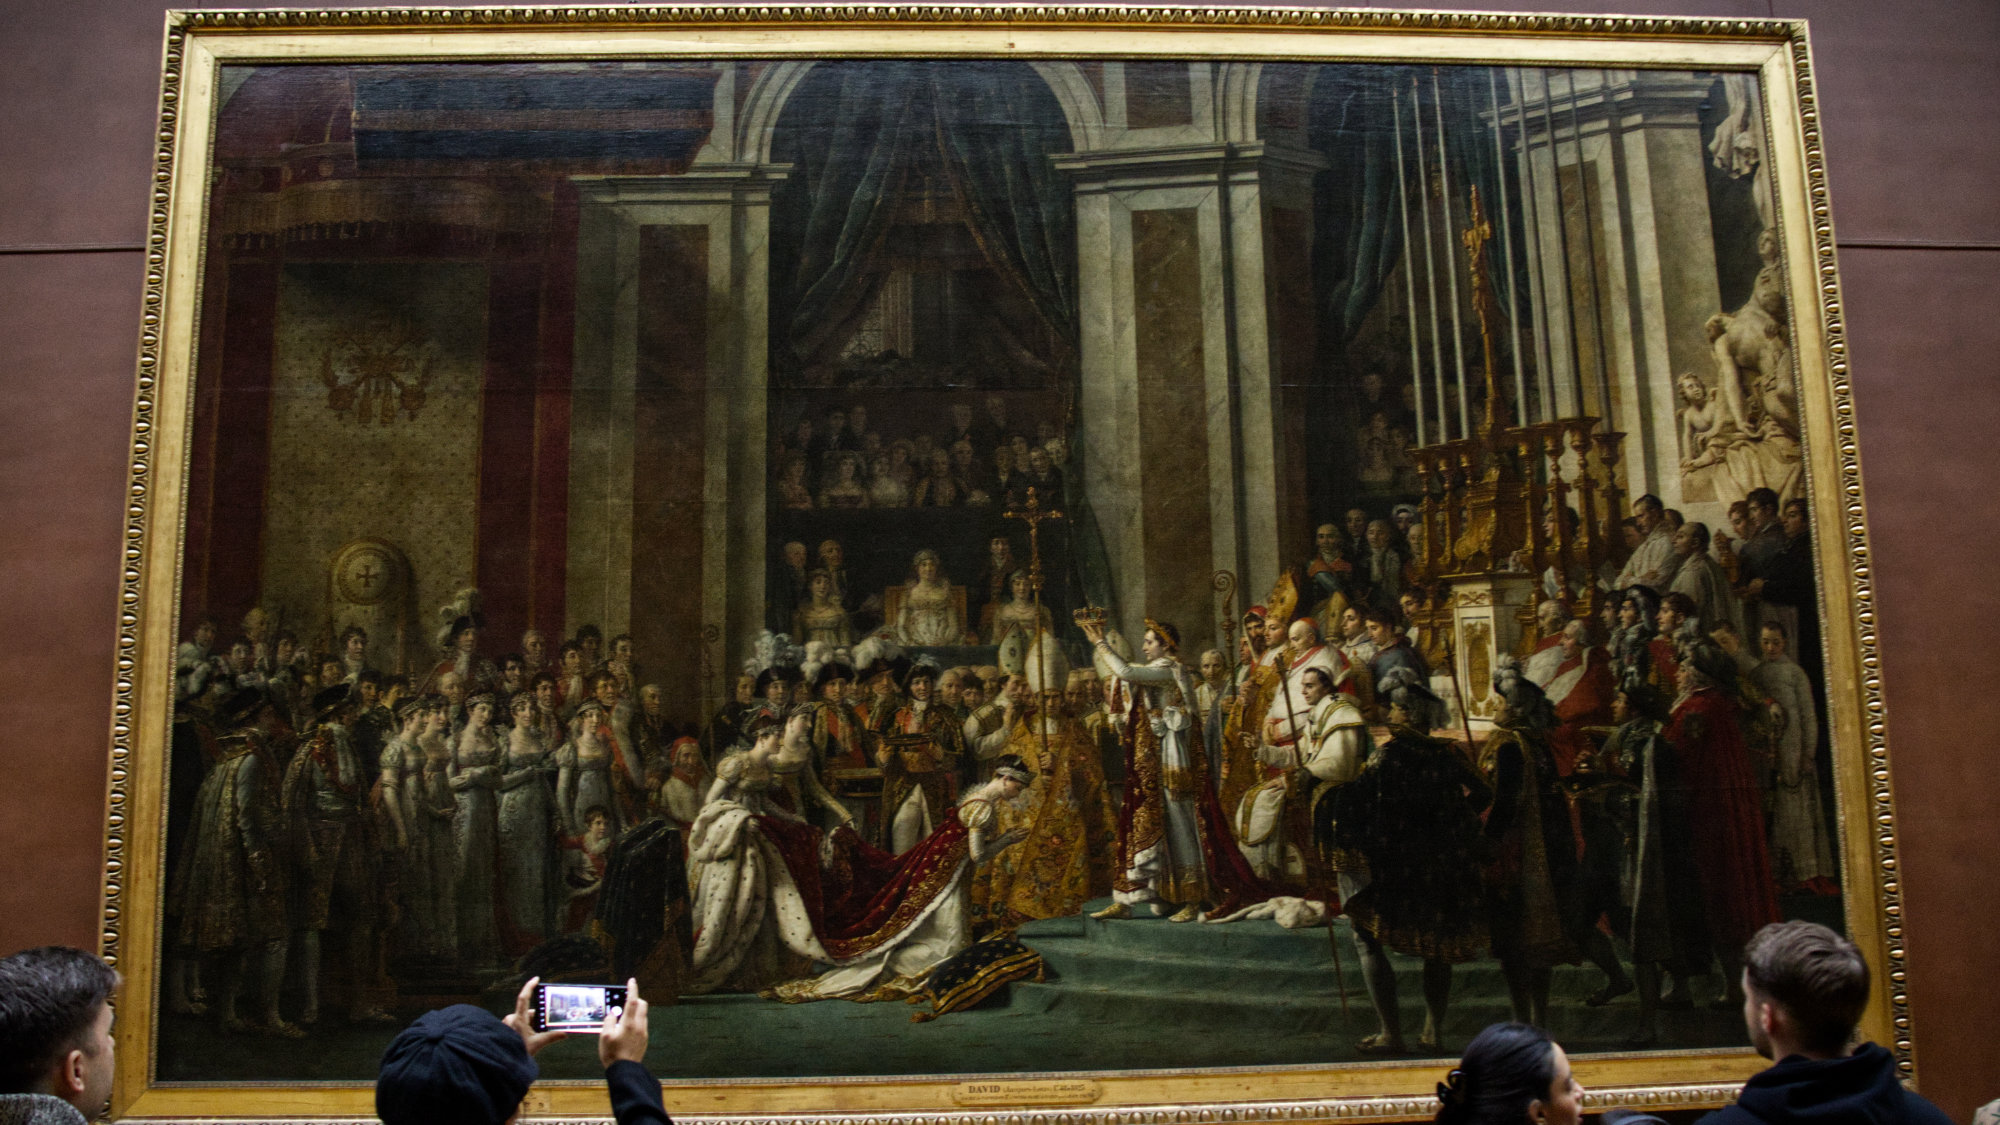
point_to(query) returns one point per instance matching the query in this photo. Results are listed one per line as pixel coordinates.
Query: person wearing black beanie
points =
(462, 1066)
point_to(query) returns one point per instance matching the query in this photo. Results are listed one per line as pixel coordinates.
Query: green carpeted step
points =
(1093, 964)
(1255, 978)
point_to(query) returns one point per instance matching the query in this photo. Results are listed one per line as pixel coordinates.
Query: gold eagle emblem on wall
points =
(377, 368)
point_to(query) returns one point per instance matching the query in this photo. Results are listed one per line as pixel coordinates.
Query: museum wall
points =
(1911, 169)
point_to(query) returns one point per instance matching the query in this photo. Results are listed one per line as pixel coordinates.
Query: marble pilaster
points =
(732, 202)
(1240, 463)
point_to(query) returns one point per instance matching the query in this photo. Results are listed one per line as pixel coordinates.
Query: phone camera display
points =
(577, 1007)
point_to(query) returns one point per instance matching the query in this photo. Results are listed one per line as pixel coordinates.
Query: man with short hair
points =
(462, 1065)
(991, 590)
(353, 652)
(1766, 540)
(534, 654)
(1653, 562)
(1355, 644)
(590, 642)
(1043, 477)
(1804, 989)
(1392, 648)
(1356, 526)
(56, 1053)
(513, 675)
(1704, 581)
(623, 664)
(1331, 573)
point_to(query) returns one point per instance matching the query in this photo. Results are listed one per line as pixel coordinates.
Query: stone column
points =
(1189, 452)
(722, 212)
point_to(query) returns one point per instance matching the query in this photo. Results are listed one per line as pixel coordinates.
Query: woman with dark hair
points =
(1018, 612)
(1512, 1074)
(822, 617)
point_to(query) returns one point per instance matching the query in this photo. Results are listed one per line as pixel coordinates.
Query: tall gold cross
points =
(1475, 237)
(1032, 513)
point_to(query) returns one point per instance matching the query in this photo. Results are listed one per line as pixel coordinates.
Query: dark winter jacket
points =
(1861, 1089)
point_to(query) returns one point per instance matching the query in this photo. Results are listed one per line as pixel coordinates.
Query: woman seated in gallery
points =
(822, 618)
(844, 489)
(939, 488)
(929, 615)
(1019, 611)
(793, 493)
(886, 488)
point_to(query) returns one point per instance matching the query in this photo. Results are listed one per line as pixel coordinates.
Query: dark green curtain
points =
(846, 134)
(1358, 223)
(998, 124)
(855, 131)
(1358, 229)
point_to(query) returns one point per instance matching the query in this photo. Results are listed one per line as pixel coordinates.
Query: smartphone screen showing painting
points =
(1082, 549)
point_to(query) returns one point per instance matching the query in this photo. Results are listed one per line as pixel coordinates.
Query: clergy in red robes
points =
(1725, 806)
(1540, 666)
(1581, 690)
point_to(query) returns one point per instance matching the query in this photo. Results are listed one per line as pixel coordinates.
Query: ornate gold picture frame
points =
(535, 320)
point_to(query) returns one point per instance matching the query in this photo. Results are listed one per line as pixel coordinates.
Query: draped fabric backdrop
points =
(1358, 234)
(856, 131)
(1358, 222)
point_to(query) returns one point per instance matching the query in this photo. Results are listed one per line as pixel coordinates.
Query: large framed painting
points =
(1095, 563)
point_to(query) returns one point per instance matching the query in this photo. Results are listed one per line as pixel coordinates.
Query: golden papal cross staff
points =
(1032, 513)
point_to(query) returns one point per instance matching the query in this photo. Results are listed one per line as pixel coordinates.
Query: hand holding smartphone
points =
(580, 1009)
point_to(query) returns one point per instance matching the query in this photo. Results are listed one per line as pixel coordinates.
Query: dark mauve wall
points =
(1908, 92)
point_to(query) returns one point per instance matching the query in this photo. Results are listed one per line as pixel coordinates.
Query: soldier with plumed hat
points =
(336, 879)
(841, 741)
(774, 689)
(230, 890)
(1412, 817)
(919, 754)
